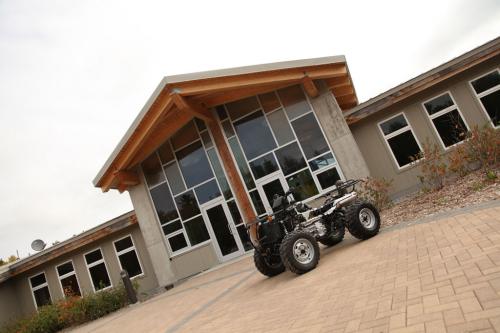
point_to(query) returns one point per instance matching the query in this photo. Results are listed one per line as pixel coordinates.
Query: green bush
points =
(69, 312)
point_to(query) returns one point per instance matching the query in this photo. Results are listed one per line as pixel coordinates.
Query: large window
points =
(40, 290)
(68, 280)
(446, 119)
(487, 90)
(127, 256)
(98, 270)
(400, 139)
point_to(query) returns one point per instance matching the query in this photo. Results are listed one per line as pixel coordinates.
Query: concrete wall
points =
(374, 149)
(15, 294)
(194, 261)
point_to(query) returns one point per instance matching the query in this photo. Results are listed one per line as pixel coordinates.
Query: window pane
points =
(242, 165)
(242, 107)
(404, 147)
(254, 134)
(228, 128)
(310, 136)
(245, 239)
(70, 286)
(123, 244)
(438, 104)
(290, 158)
(294, 101)
(451, 128)
(486, 82)
(194, 164)
(392, 125)
(100, 278)
(328, 178)
(303, 185)
(322, 161)
(491, 103)
(196, 231)
(207, 192)
(187, 205)
(166, 153)
(184, 136)
(163, 203)
(207, 140)
(93, 256)
(263, 165)
(281, 127)
(235, 212)
(219, 173)
(152, 170)
(200, 124)
(171, 227)
(42, 296)
(221, 112)
(257, 202)
(65, 268)
(130, 263)
(38, 280)
(177, 242)
(269, 101)
(174, 178)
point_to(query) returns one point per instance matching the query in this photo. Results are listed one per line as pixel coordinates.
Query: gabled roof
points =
(179, 98)
(424, 81)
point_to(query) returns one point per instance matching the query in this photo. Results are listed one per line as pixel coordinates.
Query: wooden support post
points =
(310, 87)
(234, 177)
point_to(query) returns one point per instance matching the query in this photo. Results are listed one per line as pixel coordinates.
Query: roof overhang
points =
(180, 98)
(428, 79)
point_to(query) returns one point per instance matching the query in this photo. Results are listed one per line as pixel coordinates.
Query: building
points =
(209, 150)
(86, 263)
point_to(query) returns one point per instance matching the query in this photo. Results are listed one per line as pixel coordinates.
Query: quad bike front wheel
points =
(268, 265)
(363, 219)
(299, 252)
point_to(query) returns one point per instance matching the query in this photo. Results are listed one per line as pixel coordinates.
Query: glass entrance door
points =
(269, 187)
(227, 244)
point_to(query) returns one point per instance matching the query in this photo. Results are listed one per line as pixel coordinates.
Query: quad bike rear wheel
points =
(363, 219)
(299, 252)
(268, 265)
(335, 231)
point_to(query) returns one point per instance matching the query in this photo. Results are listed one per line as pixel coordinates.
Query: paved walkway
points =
(440, 276)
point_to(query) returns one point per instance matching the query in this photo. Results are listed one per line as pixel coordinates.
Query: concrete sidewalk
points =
(438, 276)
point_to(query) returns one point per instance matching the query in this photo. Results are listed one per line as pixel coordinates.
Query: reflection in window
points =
(68, 280)
(177, 242)
(194, 164)
(152, 170)
(269, 101)
(166, 153)
(310, 136)
(97, 270)
(219, 174)
(255, 135)
(127, 256)
(328, 178)
(207, 192)
(263, 165)
(196, 230)
(221, 112)
(242, 164)
(184, 136)
(321, 162)
(235, 212)
(239, 108)
(40, 290)
(487, 89)
(257, 202)
(174, 178)
(281, 127)
(244, 237)
(163, 203)
(187, 205)
(303, 185)
(294, 101)
(290, 158)
(171, 227)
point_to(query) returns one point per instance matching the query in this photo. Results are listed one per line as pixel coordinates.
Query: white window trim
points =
(62, 277)
(127, 250)
(402, 130)
(442, 112)
(485, 93)
(102, 260)
(43, 285)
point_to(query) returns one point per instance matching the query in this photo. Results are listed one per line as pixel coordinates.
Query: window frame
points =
(102, 260)
(485, 93)
(385, 138)
(60, 278)
(443, 112)
(127, 250)
(33, 289)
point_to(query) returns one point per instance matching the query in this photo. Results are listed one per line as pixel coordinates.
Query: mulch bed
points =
(465, 191)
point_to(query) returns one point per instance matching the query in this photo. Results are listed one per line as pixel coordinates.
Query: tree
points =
(2, 262)
(12, 258)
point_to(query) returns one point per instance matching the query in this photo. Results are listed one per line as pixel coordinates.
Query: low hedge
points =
(70, 312)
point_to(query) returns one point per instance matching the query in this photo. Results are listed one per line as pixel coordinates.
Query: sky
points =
(74, 74)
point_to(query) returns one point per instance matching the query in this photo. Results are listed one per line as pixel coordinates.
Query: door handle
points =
(229, 227)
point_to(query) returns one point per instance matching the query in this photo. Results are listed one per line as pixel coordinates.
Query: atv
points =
(288, 238)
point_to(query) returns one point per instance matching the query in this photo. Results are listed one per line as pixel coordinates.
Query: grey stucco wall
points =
(373, 146)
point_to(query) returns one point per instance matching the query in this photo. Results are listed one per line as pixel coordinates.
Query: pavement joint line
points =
(205, 306)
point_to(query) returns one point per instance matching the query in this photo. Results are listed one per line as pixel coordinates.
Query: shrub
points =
(483, 146)
(433, 167)
(376, 190)
(69, 312)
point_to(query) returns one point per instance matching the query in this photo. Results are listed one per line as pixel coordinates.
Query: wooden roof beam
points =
(310, 87)
(194, 109)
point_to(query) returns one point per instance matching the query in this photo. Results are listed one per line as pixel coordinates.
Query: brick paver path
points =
(441, 276)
